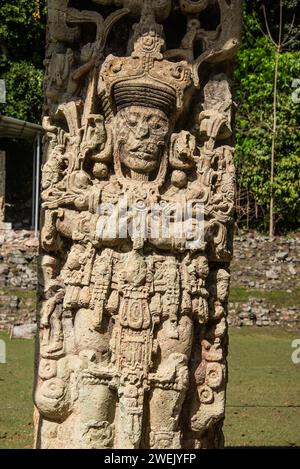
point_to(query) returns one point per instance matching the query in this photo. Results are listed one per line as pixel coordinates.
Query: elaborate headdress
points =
(145, 78)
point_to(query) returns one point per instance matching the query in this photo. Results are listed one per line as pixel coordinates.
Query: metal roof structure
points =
(16, 128)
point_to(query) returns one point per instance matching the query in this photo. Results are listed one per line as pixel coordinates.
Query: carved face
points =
(49, 269)
(141, 136)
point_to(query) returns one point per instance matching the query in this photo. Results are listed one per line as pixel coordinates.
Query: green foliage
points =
(24, 83)
(290, 8)
(255, 84)
(22, 31)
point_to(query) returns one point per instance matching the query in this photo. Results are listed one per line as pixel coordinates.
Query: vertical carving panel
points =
(2, 186)
(132, 311)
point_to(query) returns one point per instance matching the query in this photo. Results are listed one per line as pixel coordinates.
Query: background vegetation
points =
(22, 43)
(22, 36)
(254, 84)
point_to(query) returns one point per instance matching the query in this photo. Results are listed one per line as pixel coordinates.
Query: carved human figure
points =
(51, 311)
(133, 333)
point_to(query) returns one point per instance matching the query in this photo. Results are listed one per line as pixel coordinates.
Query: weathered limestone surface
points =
(255, 256)
(2, 187)
(133, 330)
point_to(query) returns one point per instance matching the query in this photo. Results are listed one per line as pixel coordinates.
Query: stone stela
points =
(132, 330)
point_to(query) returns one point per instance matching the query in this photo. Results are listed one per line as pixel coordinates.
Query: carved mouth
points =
(144, 152)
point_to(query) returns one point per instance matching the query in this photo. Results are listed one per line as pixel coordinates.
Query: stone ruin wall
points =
(18, 278)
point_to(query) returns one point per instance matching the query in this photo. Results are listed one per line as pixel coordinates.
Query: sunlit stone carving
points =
(138, 192)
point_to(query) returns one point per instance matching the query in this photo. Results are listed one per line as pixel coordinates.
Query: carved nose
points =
(142, 130)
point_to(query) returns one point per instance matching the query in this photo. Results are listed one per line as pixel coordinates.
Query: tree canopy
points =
(254, 77)
(22, 42)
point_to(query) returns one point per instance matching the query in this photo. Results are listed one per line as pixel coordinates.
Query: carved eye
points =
(157, 125)
(132, 122)
(132, 119)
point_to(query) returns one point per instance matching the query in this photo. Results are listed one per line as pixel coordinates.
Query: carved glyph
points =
(132, 313)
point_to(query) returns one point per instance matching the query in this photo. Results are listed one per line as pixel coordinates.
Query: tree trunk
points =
(274, 133)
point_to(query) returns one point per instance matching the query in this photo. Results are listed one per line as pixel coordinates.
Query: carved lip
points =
(143, 153)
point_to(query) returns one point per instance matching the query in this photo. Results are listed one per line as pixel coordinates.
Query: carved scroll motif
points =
(133, 331)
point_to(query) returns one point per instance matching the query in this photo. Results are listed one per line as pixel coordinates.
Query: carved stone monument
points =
(2, 187)
(138, 192)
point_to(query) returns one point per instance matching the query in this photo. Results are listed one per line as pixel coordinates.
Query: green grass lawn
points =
(275, 297)
(263, 402)
(16, 380)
